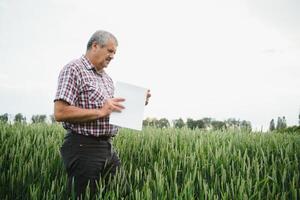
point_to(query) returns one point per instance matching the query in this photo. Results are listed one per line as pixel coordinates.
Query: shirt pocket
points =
(95, 96)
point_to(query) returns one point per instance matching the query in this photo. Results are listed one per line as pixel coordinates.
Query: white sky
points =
(217, 59)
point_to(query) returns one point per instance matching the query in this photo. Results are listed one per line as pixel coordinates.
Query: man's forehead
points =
(111, 44)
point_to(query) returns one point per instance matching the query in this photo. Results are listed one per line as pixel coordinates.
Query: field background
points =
(159, 164)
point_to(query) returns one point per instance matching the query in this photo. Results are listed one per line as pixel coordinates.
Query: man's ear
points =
(94, 45)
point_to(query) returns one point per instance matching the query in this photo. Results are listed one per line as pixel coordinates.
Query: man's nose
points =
(111, 56)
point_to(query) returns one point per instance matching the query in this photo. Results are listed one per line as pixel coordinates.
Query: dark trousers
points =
(87, 159)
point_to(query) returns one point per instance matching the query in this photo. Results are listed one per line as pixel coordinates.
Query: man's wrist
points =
(100, 113)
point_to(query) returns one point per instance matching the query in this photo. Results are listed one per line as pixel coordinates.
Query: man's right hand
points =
(111, 105)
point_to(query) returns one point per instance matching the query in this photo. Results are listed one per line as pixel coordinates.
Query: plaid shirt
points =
(80, 85)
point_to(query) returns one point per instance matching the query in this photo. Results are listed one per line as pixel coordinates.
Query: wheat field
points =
(158, 164)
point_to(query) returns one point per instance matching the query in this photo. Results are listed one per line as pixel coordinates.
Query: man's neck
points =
(90, 58)
(99, 71)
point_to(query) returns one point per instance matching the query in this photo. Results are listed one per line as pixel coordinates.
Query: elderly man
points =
(83, 102)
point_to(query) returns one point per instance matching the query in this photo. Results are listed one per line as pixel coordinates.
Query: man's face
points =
(104, 54)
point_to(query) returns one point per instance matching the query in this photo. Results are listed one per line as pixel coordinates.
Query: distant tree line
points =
(204, 123)
(20, 118)
(281, 125)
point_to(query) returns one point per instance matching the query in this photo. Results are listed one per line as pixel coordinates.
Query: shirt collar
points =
(87, 64)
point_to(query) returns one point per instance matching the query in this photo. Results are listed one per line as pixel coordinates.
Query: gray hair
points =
(101, 37)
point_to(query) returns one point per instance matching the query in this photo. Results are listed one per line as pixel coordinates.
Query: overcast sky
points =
(216, 59)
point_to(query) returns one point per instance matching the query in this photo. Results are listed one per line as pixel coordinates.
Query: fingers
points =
(118, 99)
(148, 94)
(147, 97)
(116, 105)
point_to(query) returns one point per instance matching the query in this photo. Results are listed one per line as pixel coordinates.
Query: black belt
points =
(100, 137)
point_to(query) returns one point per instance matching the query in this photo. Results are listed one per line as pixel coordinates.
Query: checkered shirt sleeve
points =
(67, 89)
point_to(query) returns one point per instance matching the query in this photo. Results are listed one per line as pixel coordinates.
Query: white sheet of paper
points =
(133, 114)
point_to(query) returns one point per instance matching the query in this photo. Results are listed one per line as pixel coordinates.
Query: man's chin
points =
(106, 65)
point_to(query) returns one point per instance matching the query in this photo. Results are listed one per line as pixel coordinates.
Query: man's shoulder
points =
(74, 65)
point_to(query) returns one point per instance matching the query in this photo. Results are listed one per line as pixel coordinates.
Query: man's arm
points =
(63, 112)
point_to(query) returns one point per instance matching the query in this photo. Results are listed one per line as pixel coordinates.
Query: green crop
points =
(158, 164)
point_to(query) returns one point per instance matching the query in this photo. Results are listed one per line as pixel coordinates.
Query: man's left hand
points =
(147, 97)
